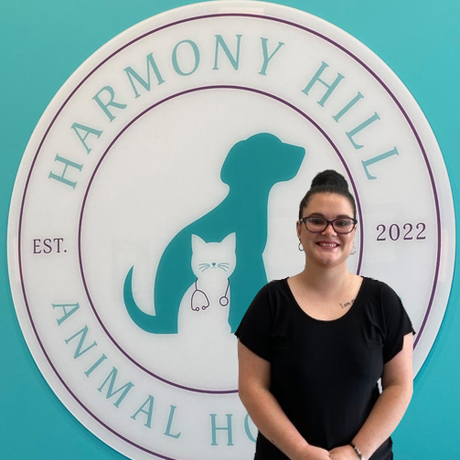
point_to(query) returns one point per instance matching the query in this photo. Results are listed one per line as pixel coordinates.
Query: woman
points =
(313, 347)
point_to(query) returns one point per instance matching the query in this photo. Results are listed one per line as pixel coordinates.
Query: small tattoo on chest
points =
(347, 304)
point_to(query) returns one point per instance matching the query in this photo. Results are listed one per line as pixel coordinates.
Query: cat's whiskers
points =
(205, 266)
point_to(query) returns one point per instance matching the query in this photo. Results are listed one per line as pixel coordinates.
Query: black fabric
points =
(324, 373)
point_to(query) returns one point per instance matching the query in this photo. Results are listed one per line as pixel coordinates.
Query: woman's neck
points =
(326, 280)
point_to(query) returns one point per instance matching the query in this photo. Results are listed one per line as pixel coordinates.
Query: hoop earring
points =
(300, 247)
(353, 252)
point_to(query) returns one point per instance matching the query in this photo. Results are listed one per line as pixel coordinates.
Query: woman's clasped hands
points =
(339, 453)
(343, 453)
(313, 453)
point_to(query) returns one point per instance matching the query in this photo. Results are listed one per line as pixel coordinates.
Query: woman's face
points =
(327, 248)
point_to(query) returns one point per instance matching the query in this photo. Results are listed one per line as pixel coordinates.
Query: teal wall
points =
(41, 45)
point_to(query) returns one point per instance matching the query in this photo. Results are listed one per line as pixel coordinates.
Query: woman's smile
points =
(327, 244)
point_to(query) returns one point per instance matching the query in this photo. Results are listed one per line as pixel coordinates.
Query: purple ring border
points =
(208, 16)
(115, 139)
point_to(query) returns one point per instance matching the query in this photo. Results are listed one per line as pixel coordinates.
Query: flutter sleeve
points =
(397, 323)
(255, 329)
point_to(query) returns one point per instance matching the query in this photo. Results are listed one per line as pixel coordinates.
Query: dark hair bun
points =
(329, 179)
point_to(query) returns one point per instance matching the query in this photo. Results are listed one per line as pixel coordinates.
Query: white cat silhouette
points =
(205, 306)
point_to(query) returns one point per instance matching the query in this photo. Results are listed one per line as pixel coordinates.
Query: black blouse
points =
(324, 374)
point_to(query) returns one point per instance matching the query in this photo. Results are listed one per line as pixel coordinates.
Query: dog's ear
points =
(232, 163)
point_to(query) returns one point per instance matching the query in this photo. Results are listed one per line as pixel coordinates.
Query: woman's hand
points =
(313, 453)
(343, 453)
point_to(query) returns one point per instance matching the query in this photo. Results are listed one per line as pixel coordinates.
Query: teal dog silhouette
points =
(252, 167)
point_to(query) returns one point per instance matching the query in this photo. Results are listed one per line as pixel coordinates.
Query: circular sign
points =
(159, 193)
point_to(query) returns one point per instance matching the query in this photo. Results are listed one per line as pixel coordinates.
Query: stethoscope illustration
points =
(223, 301)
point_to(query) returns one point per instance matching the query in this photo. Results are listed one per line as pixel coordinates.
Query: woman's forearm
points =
(272, 422)
(383, 420)
(397, 383)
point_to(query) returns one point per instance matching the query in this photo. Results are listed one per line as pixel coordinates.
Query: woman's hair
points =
(328, 181)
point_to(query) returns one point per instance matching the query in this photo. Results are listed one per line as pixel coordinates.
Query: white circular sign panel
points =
(134, 160)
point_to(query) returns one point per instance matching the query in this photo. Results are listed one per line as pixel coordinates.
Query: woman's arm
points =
(397, 384)
(266, 413)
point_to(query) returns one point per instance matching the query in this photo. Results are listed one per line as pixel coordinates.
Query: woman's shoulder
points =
(270, 296)
(274, 286)
(380, 297)
(377, 285)
(387, 310)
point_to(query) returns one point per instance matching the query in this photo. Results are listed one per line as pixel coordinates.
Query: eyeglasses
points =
(316, 224)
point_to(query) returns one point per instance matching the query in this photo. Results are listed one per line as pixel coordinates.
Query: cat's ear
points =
(230, 240)
(197, 243)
